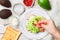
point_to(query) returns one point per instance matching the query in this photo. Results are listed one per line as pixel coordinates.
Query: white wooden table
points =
(54, 14)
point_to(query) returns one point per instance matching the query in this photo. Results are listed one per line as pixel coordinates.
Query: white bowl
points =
(23, 22)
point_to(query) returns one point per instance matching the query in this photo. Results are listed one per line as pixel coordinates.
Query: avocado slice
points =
(44, 4)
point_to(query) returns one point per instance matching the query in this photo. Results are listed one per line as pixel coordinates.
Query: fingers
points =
(39, 24)
(44, 23)
(43, 26)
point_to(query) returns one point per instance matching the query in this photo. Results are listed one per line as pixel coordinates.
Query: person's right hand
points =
(49, 26)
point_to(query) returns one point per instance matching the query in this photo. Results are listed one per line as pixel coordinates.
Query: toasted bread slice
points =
(11, 34)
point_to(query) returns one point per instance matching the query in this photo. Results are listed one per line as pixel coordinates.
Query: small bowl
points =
(18, 8)
(31, 4)
(14, 21)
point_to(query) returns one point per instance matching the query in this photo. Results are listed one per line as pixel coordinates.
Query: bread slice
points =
(11, 34)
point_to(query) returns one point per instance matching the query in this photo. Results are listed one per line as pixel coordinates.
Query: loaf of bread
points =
(11, 34)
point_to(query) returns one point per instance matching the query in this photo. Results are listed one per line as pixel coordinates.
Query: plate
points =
(23, 22)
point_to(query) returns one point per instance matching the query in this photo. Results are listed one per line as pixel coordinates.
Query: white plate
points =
(23, 23)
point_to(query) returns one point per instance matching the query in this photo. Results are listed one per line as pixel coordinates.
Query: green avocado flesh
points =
(32, 24)
(44, 4)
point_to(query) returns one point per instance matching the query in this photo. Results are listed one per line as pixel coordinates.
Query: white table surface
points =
(54, 14)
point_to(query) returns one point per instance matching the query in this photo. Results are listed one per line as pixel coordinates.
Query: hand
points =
(49, 26)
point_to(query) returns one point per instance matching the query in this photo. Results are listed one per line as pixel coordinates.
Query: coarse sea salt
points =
(14, 21)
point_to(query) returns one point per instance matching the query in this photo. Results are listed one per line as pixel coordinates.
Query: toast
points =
(11, 34)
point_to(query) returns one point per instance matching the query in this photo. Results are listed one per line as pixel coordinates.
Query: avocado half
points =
(44, 4)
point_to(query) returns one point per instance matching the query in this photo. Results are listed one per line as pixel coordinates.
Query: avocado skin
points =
(44, 4)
